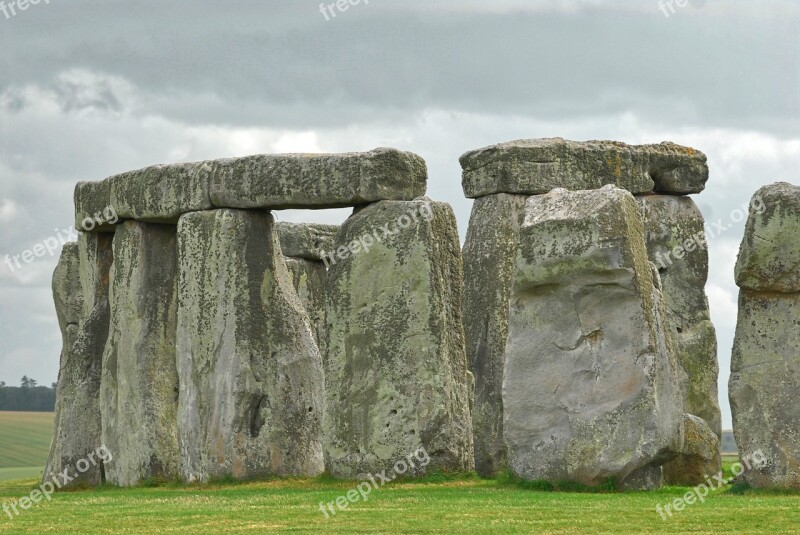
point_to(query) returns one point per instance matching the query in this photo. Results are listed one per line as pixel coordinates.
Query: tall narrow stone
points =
(396, 373)
(489, 254)
(590, 390)
(80, 289)
(251, 375)
(765, 366)
(140, 381)
(676, 244)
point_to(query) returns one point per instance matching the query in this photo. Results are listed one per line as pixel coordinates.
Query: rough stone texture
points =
(765, 366)
(700, 458)
(532, 167)
(92, 198)
(251, 376)
(306, 241)
(765, 380)
(489, 254)
(80, 288)
(309, 279)
(769, 258)
(318, 180)
(396, 371)
(590, 388)
(676, 244)
(139, 393)
(158, 194)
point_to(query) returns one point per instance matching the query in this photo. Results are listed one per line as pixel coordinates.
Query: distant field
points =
(24, 443)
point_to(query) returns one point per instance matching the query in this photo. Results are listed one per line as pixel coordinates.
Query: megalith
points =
(765, 365)
(396, 372)
(590, 390)
(676, 244)
(489, 253)
(139, 393)
(80, 290)
(251, 376)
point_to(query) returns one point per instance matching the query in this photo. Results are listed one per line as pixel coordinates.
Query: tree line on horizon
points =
(29, 396)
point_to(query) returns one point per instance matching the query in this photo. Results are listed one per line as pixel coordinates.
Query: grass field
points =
(24, 443)
(439, 505)
(462, 507)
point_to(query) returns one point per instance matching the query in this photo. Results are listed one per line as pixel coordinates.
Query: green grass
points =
(24, 443)
(463, 507)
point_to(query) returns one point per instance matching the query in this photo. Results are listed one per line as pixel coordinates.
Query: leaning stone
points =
(769, 259)
(251, 376)
(80, 288)
(140, 380)
(588, 395)
(306, 241)
(676, 244)
(309, 279)
(700, 458)
(396, 373)
(763, 388)
(533, 167)
(317, 180)
(488, 270)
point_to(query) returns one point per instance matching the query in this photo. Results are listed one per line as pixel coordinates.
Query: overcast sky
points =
(90, 88)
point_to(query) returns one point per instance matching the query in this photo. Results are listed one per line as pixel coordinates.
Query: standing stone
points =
(396, 373)
(489, 254)
(590, 390)
(765, 366)
(536, 166)
(80, 288)
(251, 375)
(676, 244)
(306, 247)
(309, 279)
(139, 391)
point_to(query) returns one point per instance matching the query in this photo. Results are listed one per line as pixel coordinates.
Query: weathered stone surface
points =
(590, 390)
(396, 371)
(91, 199)
(676, 244)
(139, 393)
(306, 241)
(536, 166)
(700, 458)
(162, 193)
(769, 258)
(157, 194)
(489, 254)
(765, 380)
(318, 180)
(251, 376)
(309, 279)
(80, 288)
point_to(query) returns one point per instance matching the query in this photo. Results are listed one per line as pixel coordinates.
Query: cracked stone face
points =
(590, 387)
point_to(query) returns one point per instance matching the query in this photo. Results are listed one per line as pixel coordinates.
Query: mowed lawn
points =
(460, 507)
(24, 443)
